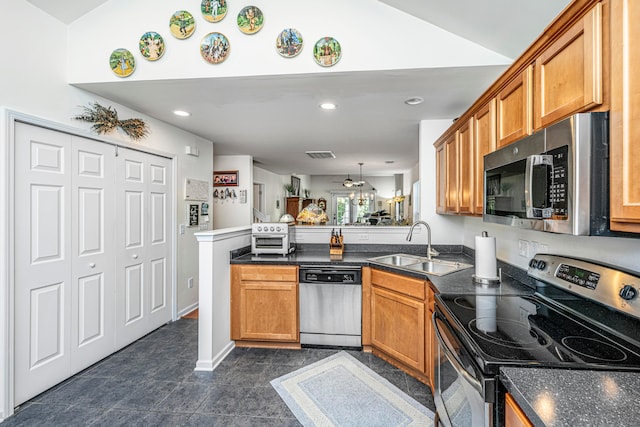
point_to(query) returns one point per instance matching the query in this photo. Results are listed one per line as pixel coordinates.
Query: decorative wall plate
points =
(122, 63)
(327, 51)
(214, 48)
(289, 42)
(250, 20)
(213, 10)
(151, 45)
(182, 24)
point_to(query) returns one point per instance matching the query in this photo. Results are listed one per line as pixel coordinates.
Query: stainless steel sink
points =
(419, 264)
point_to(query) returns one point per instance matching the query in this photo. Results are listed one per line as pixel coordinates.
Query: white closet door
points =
(43, 259)
(93, 249)
(143, 267)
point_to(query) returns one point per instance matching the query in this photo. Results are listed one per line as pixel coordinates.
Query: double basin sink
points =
(420, 264)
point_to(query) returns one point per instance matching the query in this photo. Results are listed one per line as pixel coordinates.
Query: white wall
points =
(275, 204)
(363, 28)
(230, 212)
(34, 82)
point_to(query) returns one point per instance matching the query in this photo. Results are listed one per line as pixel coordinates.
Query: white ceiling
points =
(272, 118)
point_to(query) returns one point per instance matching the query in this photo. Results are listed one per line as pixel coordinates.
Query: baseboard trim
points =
(210, 365)
(187, 310)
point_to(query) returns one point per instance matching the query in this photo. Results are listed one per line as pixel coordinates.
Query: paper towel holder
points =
(485, 281)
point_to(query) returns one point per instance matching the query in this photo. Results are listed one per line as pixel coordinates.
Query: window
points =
(348, 210)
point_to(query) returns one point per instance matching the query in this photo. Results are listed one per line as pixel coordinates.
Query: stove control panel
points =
(603, 283)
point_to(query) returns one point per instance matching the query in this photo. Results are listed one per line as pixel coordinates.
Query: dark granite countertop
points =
(558, 397)
(460, 282)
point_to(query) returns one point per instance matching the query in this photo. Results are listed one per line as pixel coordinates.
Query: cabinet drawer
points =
(269, 273)
(415, 288)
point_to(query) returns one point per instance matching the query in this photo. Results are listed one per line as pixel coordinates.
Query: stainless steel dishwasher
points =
(331, 305)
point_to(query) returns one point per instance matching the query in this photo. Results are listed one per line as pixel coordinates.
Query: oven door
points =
(269, 243)
(463, 396)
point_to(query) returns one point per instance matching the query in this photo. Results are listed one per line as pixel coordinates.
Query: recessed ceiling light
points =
(414, 101)
(181, 113)
(328, 106)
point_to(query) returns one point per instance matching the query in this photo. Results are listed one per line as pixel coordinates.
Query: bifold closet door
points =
(64, 263)
(144, 267)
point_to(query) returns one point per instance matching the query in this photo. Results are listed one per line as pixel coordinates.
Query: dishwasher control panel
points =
(330, 275)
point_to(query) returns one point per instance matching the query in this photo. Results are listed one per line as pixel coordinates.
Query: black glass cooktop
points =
(530, 330)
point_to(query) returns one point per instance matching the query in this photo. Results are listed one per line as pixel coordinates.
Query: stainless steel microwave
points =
(555, 180)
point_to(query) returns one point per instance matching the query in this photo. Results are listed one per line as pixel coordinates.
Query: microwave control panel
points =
(560, 182)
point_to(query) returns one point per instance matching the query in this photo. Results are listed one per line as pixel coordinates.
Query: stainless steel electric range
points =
(583, 315)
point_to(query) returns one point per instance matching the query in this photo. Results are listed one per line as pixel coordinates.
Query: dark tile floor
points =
(152, 383)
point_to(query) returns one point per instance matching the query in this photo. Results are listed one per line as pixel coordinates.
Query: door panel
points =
(42, 261)
(91, 309)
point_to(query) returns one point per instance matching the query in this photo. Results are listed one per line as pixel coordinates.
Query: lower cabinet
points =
(397, 323)
(513, 414)
(264, 304)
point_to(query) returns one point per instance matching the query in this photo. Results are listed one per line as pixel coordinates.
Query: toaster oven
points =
(272, 238)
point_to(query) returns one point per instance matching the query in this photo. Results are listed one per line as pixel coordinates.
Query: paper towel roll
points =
(486, 264)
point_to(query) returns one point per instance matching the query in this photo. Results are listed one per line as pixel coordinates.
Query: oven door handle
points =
(453, 359)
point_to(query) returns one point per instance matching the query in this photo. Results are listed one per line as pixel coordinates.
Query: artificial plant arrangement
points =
(105, 120)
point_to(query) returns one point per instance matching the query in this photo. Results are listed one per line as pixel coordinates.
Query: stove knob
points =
(541, 265)
(259, 228)
(271, 228)
(533, 263)
(628, 292)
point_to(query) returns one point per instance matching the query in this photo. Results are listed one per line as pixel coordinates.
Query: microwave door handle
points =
(457, 365)
(534, 160)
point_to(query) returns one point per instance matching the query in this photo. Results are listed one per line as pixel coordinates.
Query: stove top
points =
(558, 326)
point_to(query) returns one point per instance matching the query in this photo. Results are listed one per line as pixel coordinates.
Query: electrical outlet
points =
(363, 236)
(182, 228)
(534, 247)
(190, 282)
(523, 248)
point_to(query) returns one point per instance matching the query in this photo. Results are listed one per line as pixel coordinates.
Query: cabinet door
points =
(268, 311)
(398, 327)
(568, 74)
(465, 168)
(484, 137)
(625, 114)
(452, 202)
(514, 109)
(441, 178)
(513, 415)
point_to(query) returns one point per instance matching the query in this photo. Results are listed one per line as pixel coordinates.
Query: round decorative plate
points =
(214, 48)
(213, 10)
(289, 42)
(250, 20)
(182, 24)
(151, 45)
(122, 63)
(327, 51)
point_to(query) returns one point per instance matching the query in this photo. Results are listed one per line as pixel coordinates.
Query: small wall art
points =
(151, 45)
(122, 62)
(295, 184)
(213, 10)
(225, 179)
(214, 48)
(182, 24)
(250, 20)
(289, 42)
(327, 51)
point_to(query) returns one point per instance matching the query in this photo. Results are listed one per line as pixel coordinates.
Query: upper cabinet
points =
(515, 108)
(465, 167)
(625, 116)
(484, 142)
(568, 74)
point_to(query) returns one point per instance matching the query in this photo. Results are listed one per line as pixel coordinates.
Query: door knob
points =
(135, 256)
(92, 265)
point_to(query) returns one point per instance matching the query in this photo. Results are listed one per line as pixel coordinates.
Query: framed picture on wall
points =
(225, 179)
(295, 182)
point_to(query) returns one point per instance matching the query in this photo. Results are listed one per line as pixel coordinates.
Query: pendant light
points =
(348, 182)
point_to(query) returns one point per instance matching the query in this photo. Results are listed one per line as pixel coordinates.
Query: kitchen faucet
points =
(430, 252)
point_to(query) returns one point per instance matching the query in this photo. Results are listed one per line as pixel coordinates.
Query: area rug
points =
(341, 391)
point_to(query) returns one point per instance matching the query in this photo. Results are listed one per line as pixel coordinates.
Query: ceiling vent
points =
(321, 154)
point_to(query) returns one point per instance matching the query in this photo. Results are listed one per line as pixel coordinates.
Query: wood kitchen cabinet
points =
(465, 167)
(514, 104)
(568, 74)
(513, 414)
(451, 153)
(293, 206)
(441, 178)
(397, 323)
(264, 305)
(625, 116)
(484, 142)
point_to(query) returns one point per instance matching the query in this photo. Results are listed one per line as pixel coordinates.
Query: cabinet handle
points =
(135, 256)
(92, 265)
